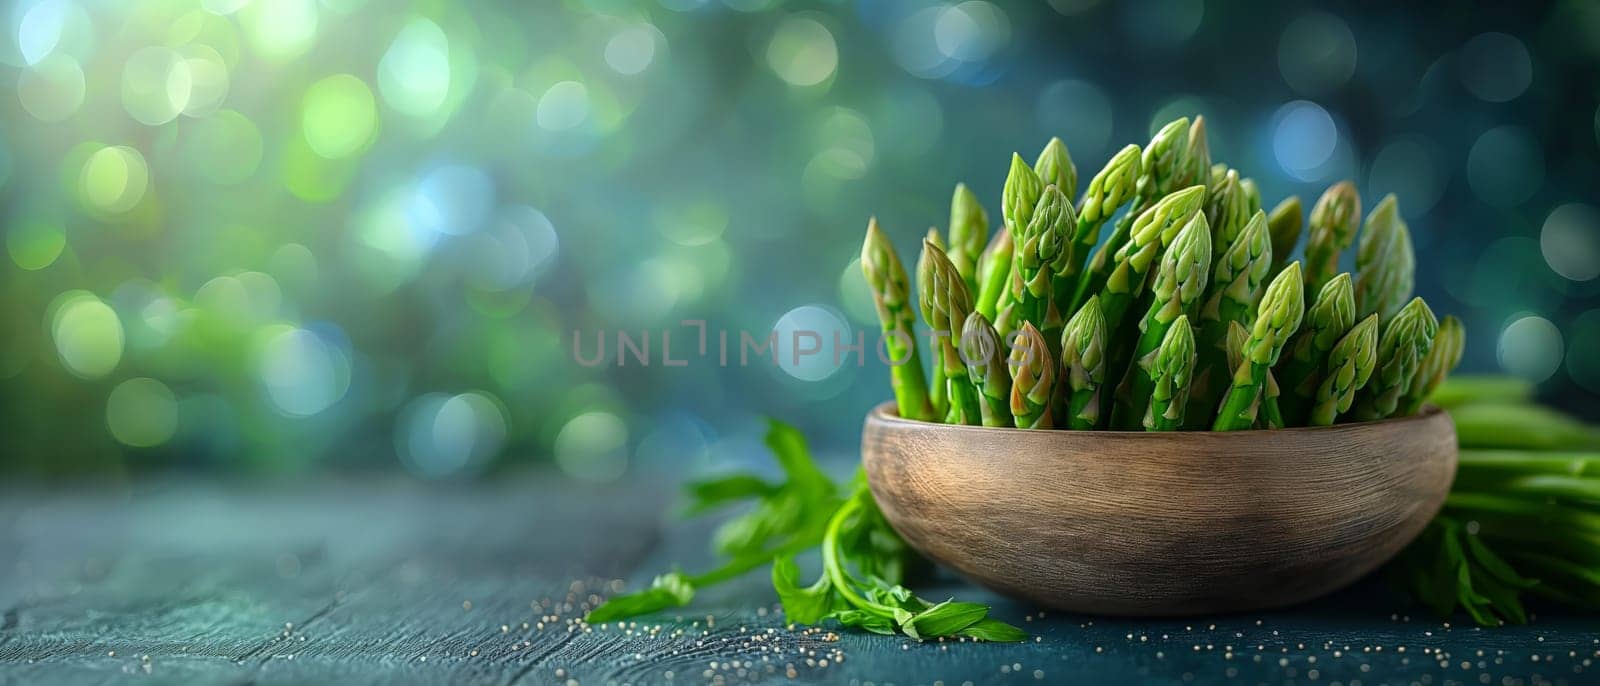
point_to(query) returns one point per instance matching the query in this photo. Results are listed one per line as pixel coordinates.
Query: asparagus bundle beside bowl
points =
(1186, 314)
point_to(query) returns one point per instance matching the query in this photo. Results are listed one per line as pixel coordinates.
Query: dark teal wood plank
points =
(385, 582)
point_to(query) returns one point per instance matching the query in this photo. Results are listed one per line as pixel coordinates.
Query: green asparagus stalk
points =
(1350, 365)
(1405, 342)
(1020, 195)
(945, 303)
(994, 273)
(1171, 369)
(891, 294)
(1164, 161)
(1083, 358)
(1018, 200)
(1271, 414)
(1252, 195)
(1284, 223)
(1333, 225)
(985, 356)
(1385, 265)
(1179, 282)
(1237, 335)
(1108, 191)
(1489, 470)
(1227, 211)
(1442, 358)
(1033, 378)
(1236, 283)
(1271, 411)
(1042, 252)
(1463, 389)
(1196, 170)
(938, 389)
(1055, 166)
(969, 232)
(1500, 425)
(1305, 359)
(1151, 232)
(1159, 166)
(1277, 319)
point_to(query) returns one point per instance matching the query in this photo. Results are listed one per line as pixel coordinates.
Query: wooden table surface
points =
(388, 581)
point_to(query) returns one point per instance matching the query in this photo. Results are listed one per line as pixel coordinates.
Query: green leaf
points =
(995, 631)
(803, 605)
(902, 618)
(711, 493)
(1505, 600)
(1494, 565)
(667, 591)
(789, 447)
(948, 618)
(862, 619)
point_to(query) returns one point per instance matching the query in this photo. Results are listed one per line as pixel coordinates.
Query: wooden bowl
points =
(1130, 523)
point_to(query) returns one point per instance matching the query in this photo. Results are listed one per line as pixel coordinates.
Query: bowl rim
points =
(888, 412)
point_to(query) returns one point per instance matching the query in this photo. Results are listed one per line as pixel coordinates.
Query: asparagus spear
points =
(938, 390)
(1284, 223)
(1237, 335)
(969, 231)
(1252, 194)
(1179, 281)
(1277, 318)
(994, 271)
(1055, 166)
(1384, 262)
(1305, 359)
(946, 302)
(1109, 190)
(1333, 225)
(1083, 348)
(1042, 252)
(1236, 283)
(1406, 340)
(1499, 425)
(1020, 195)
(985, 357)
(1164, 161)
(1271, 414)
(1151, 232)
(1033, 377)
(1226, 210)
(1218, 171)
(1350, 365)
(1442, 358)
(1196, 156)
(1465, 389)
(891, 294)
(1171, 370)
(1158, 167)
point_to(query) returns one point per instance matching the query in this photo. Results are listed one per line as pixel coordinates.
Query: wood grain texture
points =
(1129, 523)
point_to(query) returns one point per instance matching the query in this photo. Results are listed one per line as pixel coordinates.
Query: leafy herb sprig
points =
(864, 561)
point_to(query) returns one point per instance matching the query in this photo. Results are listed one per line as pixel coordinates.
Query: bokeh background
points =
(278, 237)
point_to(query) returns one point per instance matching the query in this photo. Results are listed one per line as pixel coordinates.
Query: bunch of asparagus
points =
(1523, 516)
(1188, 315)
